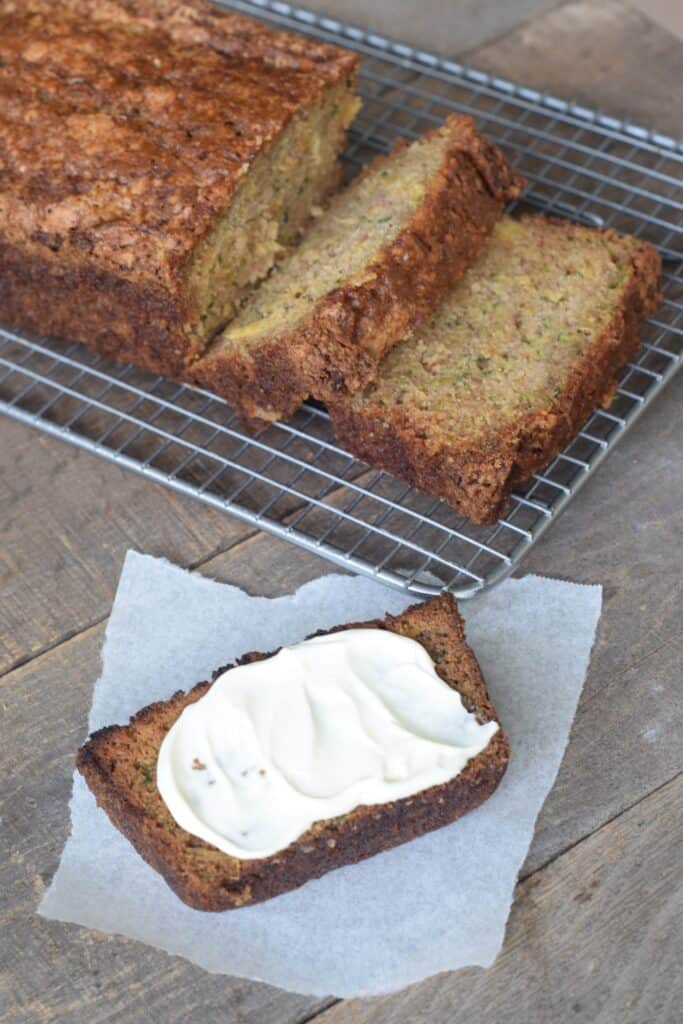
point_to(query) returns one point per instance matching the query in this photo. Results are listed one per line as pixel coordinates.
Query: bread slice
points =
(370, 269)
(157, 158)
(509, 367)
(119, 764)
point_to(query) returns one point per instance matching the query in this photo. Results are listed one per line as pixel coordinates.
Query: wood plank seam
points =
(72, 634)
(523, 878)
(190, 566)
(315, 1014)
(470, 55)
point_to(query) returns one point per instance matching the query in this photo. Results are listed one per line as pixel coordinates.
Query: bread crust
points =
(326, 845)
(476, 479)
(126, 130)
(336, 349)
(112, 316)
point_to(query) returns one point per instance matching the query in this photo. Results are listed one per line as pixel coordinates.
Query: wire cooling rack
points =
(292, 479)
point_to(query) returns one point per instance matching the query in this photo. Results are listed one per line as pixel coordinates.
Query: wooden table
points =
(595, 931)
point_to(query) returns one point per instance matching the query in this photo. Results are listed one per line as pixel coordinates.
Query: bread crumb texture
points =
(508, 367)
(368, 271)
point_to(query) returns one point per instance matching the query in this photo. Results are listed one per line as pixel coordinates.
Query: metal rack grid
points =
(293, 480)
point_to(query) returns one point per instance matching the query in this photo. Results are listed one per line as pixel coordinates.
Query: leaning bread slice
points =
(119, 764)
(507, 370)
(371, 268)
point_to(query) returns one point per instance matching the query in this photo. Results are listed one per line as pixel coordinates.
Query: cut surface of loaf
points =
(157, 158)
(119, 766)
(369, 269)
(508, 368)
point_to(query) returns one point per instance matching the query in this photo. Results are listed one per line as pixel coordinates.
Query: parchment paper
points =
(437, 903)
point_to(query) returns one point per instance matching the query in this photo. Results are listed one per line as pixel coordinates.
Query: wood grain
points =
(595, 938)
(68, 519)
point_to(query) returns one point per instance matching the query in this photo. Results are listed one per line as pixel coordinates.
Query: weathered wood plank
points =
(68, 518)
(600, 52)
(594, 938)
(51, 972)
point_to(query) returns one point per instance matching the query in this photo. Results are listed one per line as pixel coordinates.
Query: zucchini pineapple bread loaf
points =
(157, 157)
(508, 368)
(127, 767)
(367, 271)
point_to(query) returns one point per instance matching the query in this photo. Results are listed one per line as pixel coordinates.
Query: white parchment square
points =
(434, 904)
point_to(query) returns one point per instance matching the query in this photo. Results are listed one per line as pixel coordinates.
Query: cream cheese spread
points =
(349, 718)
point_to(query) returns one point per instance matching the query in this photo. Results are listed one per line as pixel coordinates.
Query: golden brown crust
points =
(126, 129)
(198, 23)
(336, 349)
(476, 479)
(112, 316)
(210, 880)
